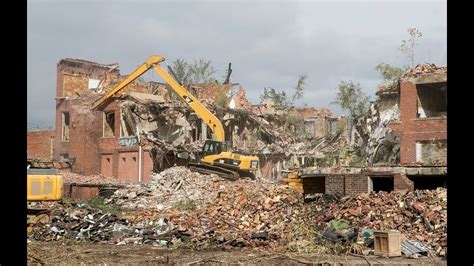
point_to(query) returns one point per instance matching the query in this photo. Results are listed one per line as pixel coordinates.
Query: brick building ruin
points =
(403, 139)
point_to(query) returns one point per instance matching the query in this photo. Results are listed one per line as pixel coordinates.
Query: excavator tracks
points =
(212, 169)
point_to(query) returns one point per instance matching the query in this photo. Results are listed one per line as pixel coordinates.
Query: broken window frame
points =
(420, 145)
(386, 178)
(421, 89)
(123, 126)
(104, 122)
(65, 126)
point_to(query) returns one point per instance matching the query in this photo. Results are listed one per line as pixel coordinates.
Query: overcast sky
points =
(269, 43)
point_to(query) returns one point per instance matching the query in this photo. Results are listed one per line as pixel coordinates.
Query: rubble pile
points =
(83, 223)
(419, 215)
(167, 128)
(244, 213)
(166, 189)
(179, 207)
(376, 141)
(424, 69)
(72, 178)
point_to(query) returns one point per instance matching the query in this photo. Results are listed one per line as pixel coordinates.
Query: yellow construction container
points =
(44, 187)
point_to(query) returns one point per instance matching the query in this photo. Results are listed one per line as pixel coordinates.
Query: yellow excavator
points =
(215, 157)
(43, 184)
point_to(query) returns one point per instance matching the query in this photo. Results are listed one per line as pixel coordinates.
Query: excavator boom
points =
(153, 62)
(216, 158)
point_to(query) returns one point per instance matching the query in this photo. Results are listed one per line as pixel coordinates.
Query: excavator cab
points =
(213, 147)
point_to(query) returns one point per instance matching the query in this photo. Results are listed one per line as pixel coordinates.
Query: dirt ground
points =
(93, 253)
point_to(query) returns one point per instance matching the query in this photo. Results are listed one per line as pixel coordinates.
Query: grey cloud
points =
(269, 43)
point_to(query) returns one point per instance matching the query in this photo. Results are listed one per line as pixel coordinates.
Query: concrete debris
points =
(376, 142)
(166, 189)
(73, 178)
(179, 207)
(174, 134)
(78, 223)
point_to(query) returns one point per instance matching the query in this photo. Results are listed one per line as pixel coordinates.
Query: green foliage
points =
(98, 203)
(300, 87)
(200, 71)
(389, 73)
(294, 121)
(185, 204)
(277, 97)
(408, 46)
(328, 160)
(181, 70)
(351, 98)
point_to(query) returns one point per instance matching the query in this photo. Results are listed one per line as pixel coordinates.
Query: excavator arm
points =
(153, 62)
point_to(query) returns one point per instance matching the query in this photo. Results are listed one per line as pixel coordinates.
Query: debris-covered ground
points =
(180, 209)
(68, 252)
(73, 178)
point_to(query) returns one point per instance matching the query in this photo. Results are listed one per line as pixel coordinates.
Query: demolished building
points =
(145, 128)
(400, 144)
(402, 140)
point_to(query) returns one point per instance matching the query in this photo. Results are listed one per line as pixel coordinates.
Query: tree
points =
(201, 71)
(351, 98)
(277, 97)
(181, 71)
(300, 86)
(408, 46)
(391, 74)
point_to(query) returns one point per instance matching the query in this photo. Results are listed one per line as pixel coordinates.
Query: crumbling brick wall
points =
(85, 128)
(411, 129)
(401, 182)
(92, 152)
(87, 146)
(74, 75)
(40, 144)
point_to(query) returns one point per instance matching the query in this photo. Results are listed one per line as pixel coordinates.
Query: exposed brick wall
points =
(241, 99)
(74, 86)
(39, 144)
(356, 184)
(411, 129)
(86, 142)
(147, 168)
(85, 130)
(335, 185)
(401, 182)
(73, 78)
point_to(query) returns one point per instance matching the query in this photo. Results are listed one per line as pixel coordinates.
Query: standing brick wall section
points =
(356, 184)
(335, 184)
(401, 182)
(39, 144)
(86, 144)
(84, 134)
(411, 129)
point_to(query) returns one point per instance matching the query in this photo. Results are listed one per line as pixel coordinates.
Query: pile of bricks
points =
(73, 178)
(424, 69)
(206, 211)
(418, 215)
